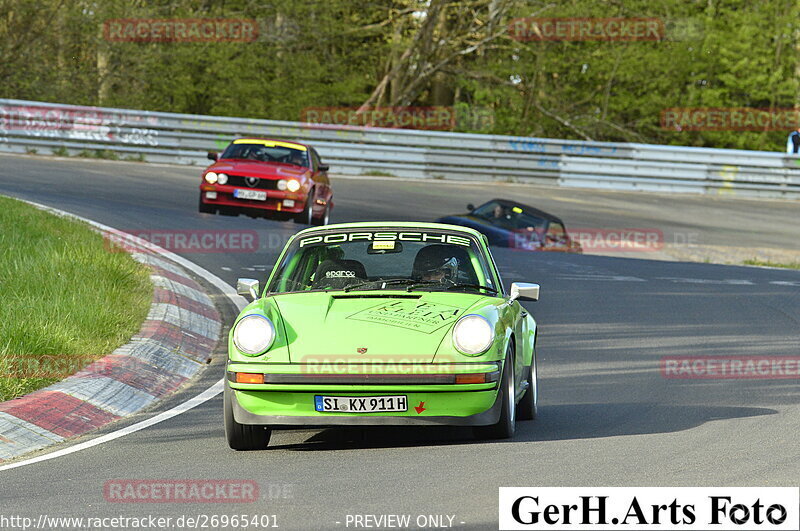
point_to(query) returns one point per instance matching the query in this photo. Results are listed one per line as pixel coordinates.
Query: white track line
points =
(193, 402)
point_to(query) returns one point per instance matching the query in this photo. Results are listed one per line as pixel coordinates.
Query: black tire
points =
(529, 403)
(507, 424)
(305, 217)
(204, 208)
(324, 219)
(242, 436)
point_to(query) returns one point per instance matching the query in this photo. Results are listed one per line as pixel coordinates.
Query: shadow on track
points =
(556, 423)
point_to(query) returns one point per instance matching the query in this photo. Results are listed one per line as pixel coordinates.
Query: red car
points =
(270, 178)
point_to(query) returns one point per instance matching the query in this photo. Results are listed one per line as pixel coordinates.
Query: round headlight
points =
(222, 178)
(211, 177)
(253, 334)
(473, 335)
(282, 185)
(293, 185)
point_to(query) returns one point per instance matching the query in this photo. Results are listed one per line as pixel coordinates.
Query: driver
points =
(439, 270)
(499, 212)
(257, 153)
(298, 158)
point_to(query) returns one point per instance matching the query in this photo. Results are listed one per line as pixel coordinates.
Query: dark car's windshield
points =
(509, 217)
(267, 151)
(384, 259)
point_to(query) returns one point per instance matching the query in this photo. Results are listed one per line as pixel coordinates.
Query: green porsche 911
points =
(379, 324)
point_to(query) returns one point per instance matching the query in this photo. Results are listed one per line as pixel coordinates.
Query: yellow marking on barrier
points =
(728, 174)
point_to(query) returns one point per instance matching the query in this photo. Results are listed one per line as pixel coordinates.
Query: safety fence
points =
(26, 126)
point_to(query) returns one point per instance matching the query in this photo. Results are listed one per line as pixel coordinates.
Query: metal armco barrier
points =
(185, 139)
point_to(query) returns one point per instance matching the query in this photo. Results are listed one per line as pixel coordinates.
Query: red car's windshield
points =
(261, 152)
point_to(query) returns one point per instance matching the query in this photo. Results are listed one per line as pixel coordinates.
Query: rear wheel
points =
(204, 208)
(507, 424)
(242, 436)
(529, 404)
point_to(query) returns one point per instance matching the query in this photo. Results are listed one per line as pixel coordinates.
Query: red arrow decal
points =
(419, 408)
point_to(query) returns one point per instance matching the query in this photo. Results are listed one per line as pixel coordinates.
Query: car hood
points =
(369, 327)
(263, 170)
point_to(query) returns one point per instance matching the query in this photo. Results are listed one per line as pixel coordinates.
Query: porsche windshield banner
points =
(384, 236)
(650, 508)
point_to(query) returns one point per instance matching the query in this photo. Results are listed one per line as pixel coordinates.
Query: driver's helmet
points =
(436, 261)
(257, 153)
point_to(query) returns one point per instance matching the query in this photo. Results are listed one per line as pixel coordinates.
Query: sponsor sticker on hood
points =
(423, 317)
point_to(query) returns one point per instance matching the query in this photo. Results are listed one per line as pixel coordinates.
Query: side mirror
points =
(524, 291)
(324, 167)
(470, 207)
(212, 155)
(247, 286)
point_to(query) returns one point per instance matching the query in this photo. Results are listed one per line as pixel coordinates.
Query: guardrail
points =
(185, 139)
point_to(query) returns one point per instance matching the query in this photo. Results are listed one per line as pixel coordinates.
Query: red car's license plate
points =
(258, 195)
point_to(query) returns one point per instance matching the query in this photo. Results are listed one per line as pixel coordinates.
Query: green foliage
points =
(767, 263)
(718, 53)
(64, 294)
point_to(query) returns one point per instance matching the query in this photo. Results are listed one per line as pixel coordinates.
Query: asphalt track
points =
(608, 418)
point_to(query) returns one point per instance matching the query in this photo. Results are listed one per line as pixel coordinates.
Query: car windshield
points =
(509, 217)
(267, 152)
(384, 259)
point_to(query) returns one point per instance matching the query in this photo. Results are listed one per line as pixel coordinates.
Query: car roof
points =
(526, 208)
(394, 225)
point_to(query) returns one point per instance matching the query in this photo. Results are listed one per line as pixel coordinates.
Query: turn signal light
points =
(471, 378)
(249, 378)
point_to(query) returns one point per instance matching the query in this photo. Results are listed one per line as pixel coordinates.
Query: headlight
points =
(293, 185)
(282, 185)
(222, 178)
(211, 177)
(472, 335)
(253, 334)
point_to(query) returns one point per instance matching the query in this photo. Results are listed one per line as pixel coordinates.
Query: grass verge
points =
(767, 263)
(66, 299)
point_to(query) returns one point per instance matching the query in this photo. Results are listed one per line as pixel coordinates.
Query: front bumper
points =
(275, 199)
(287, 398)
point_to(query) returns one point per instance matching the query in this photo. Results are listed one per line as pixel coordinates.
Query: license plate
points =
(250, 194)
(360, 404)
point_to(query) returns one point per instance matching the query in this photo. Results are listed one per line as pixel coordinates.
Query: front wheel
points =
(305, 216)
(325, 218)
(242, 436)
(204, 208)
(507, 424)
